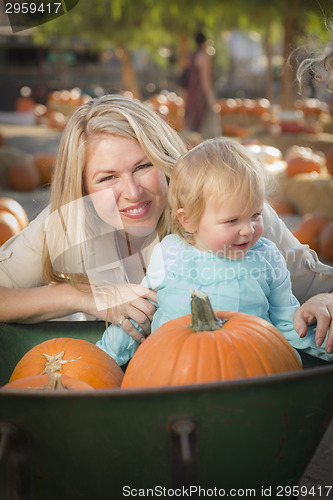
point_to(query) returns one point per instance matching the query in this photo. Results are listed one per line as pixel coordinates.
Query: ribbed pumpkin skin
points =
(245, 346)
(41, 381)
(90, 363)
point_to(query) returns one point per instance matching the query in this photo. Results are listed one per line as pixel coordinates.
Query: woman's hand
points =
(118, 303)
(318, 308)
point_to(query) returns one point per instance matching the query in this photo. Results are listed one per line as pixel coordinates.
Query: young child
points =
(216, 195)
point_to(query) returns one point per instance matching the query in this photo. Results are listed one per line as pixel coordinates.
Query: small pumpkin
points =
(9, 226)
(329, 161)
(25, 104)
(209, 347)
(308, 229)
(302, 165)
(23, 176)
(52, 382)
(44, 163)
(283, 206)
(76, 358)
(14, 208)
(326, 242)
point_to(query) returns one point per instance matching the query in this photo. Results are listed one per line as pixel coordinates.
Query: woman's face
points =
(126, 189)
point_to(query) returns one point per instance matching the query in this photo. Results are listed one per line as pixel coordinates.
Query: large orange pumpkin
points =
(202, 348)
(76, 358)
(308, 229)
(52, 382)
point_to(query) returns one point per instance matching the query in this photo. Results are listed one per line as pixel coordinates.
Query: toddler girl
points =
(217, 195)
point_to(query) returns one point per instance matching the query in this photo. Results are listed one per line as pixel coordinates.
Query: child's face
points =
(228, 228)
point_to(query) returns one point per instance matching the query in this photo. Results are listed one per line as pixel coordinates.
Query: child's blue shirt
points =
(258, 284)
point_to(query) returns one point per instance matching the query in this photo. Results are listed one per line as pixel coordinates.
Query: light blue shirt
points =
(259, 284)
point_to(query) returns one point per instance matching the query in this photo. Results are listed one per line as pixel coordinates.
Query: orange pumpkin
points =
(24, 104)
(307, 231)
(9, 226)
(326, 242)
(13, 207)
(234, 130)
(76, 358)
(202, 348)
(44, 163)
(329, 161)
(282, 207)
(302, 165)
(51, 382)
(23, 176)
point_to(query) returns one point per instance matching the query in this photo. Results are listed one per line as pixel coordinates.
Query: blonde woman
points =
(87, 252)
(217, 247)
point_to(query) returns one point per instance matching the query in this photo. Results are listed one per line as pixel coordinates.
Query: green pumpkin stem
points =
(203, 316)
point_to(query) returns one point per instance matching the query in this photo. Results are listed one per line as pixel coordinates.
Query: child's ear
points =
(185, 221)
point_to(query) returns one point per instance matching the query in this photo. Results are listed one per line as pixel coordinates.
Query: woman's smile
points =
(136, 211)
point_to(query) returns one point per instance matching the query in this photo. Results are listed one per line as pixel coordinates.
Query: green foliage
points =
(149, 24)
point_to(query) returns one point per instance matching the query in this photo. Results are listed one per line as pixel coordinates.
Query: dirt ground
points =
(33, 139)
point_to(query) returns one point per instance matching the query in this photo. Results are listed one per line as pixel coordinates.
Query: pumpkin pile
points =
(13, 219)
(208, 346)
(66, 363)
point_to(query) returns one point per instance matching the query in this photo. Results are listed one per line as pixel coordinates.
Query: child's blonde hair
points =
(211, 170)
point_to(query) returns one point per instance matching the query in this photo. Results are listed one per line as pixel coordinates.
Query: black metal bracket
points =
(15, 450)
(184, 454)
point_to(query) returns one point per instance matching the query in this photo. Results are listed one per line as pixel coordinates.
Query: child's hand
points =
(117, 303)
(320, 309)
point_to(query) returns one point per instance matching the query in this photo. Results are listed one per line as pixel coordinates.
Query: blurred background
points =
(141, 49)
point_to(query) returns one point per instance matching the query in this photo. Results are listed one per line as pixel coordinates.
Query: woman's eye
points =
(231, 221)
(256, 216)
(107, 178)
(143, 166)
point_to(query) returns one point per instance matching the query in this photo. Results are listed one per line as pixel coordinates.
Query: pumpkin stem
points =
(54, 383)
(54, 362)
(203, 316)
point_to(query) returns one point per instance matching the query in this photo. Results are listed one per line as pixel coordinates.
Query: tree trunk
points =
(130, 80)
(291, 29)
(183, 58)
(269, 71)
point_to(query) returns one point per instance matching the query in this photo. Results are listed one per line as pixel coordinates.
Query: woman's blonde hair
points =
(110, 114)
(211, 170)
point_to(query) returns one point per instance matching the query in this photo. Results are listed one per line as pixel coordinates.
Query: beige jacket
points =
(21, 262)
